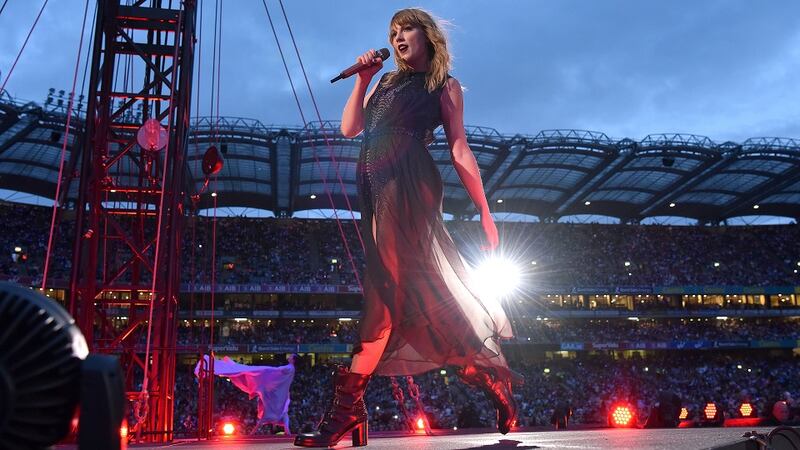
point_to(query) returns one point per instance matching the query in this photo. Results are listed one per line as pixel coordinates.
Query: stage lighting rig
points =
(622, 415)
(47, 373)
(212, 161)
(781, 411)
(152, 136)
(748, 410)
(712, 415)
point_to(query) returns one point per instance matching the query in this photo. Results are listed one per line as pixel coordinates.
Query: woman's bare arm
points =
(353, 114)
(452, 105)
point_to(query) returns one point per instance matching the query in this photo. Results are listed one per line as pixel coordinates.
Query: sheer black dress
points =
(416, 283)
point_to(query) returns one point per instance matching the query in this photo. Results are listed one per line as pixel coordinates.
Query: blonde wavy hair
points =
(433, 28)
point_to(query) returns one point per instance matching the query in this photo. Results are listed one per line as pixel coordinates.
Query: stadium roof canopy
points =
(552, 174)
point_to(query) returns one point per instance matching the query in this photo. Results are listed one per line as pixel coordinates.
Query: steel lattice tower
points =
(142, 62)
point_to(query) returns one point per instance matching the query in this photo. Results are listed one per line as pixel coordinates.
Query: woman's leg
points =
(497, 389)
(369, 354)
(348, 413)
(365, 361)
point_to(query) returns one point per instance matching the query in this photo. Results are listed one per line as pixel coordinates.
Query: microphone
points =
(383, 54)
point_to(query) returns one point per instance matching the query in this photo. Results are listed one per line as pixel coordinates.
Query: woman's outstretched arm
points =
(466, 166)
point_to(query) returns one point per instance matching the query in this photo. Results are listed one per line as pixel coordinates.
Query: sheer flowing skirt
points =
(416, 285)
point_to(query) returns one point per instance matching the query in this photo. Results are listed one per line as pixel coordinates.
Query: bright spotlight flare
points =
(496, 278)
(228, 428)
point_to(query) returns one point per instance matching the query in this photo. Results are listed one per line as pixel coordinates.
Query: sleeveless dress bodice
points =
(404, 107)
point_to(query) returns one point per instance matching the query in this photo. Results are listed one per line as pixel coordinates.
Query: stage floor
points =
(605, 438)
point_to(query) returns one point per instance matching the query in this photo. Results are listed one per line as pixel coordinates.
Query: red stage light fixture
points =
(622, 416)
(212, 164)
(747, 410)
(228, 428)
(710, 411)
(212, 161)
(420, 423)
(712, 414)
(152, 136)
(684, 414)
(781, 411)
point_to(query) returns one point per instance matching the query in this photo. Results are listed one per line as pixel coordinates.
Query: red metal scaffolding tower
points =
(129, 213)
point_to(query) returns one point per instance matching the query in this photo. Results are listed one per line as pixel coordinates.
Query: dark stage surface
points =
(640, 439)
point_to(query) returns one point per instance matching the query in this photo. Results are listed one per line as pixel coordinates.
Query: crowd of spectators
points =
(299, 251)
(647, 255)
(258, 251)
(590, 384)
(655, 330)
(24, 242)
(269, 332)
(560, 256)
(321, 331)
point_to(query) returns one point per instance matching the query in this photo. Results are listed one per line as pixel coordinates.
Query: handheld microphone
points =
(383, 54)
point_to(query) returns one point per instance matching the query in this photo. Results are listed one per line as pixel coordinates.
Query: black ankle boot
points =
(497, 389)
(347, 413)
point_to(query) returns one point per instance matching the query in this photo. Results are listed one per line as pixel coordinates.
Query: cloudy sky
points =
(726, 69)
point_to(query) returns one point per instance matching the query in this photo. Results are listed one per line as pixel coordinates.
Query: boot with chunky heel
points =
(347, 413)
(497, 389)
